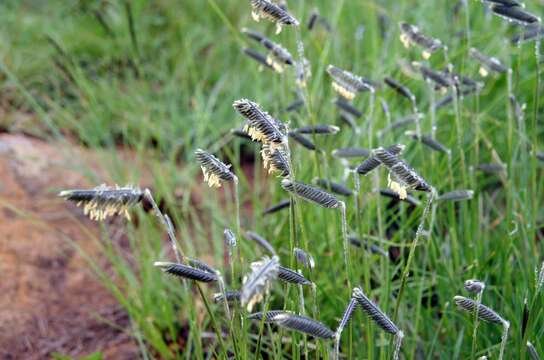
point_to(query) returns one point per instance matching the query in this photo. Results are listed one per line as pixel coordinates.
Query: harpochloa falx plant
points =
(258, 289)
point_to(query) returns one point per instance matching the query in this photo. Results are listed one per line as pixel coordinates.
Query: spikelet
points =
(200, 265)
(391, 194)
(350, 152)
(257, 56)
(229, 238)
(261, 126)
(304, 258)
(104, 201)
(400, 89)
(515, 14)
(456, 195)
(304, 325)
(428, 141)
(441, 81)
(268, 315)
(348, 314)
(278, 57)
(262, 242)
(311, 194)
(302, 140)
(291, 276)
(347, 84)
(372, 162)
(257, 283)
(241, 134)
(213, 169)
(284, 204)
(374, 312)
(411, 35)
(268, 10)
(474, 286)
(317, 129)
(347, 107)
(275, 159)
(232, 296)
(334, 187)
(487, 64)
(185, 271)
(484, 313)
(406, 177)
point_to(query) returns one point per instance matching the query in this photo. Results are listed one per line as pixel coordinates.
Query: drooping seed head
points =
(304, 325)
(334, 187)
(104, 201)
(232, 296)
(311, 194)
(400, 89)
(374, 312)
(291, 276)
(456, 195)
(262, 242)
(185, 271)
(304, 258)
(411, 35)
(269, 10)
(257, 56)
(302, 140)
(268, 315)
(372, 162)
(487, 63)
(350, 152)
(275, 159)
(429, 141)
(229, 237)
(261, 126)
(347, 107)
(515, 14)
(284, 204)
(257, 283)
(484, 313)
(317, 129)
(529, 33)
(347, 84)
(214, 170)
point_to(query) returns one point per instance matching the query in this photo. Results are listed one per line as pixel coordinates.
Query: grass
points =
(159, 77)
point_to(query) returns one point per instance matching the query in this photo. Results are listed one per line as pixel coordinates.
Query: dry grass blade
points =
(456, 195)
(275, 159)
(374, 312)
(347, 84)
(261, 126)
(269, 10)
(317, 129)
(311, 194)
(213, 169)
(104, 201)
(303, 324)
(185, 271)
(350, 152)
(372, 162)
(334, 187)
(257, 283)
(484, 313)
(291, 276)
(262, 242)
(284, 204)
(411, 35)
(487, 63)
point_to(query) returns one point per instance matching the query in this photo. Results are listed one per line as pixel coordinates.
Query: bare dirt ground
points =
(49, 300)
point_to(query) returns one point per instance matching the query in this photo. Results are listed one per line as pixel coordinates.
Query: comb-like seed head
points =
(374, 312)
(484, 313)
(411, 35)
(268, 10)
(291, 276)
(372, 162)
(488, 63)
(104, 201)
(303, 324)
(185, 271)
(268, 315)
(257, 283)
(318, 129)
(347, 84)
(276, 159)
(261, 241)
(229, 238)
(311, 194)
(456, 195)
(213, 169)
(515, 14)
(429, 141)
(302, 140)
(350, 152)
(304, 258)
(232, 296)
(284, 204)
(261, 126)
(257, 56)
(334, 187)
(400, 89)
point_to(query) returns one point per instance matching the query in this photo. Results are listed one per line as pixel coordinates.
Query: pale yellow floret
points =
(426, 54)
(277, 66)
(398, 188)
(255, 134)
(405, 40)
(483, 71)
(278, 28)
(211, 179)
(256, 16)
(348, 94)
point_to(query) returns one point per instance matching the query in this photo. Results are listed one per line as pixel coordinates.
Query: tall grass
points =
(159, 77)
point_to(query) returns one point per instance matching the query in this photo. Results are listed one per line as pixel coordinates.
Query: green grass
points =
(166, 87)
